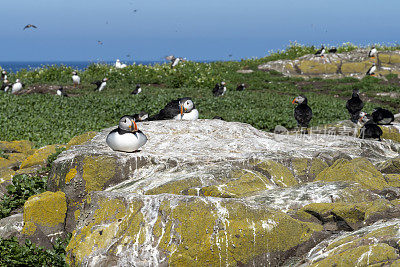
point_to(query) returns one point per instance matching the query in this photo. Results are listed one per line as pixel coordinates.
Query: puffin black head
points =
(356, 92)
(138, 86)
(127, 123)
(301, 99)
(186, 105)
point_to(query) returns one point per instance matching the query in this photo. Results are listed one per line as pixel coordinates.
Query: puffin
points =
(371, 130)
(219, 89)
(174, 60)
(320, 52)
(119, 65)
(178, 109)
(127, 137)
(137, 90)
(241, 87)
(3, 75)
(142, 116)
(371, 71)
(333, 50)
(354, 105)
(17, 86)
(302, 113)
(382, 116)
(373, 52)
(5, 86)
(76, 79)
(61, 92)
(100, 84)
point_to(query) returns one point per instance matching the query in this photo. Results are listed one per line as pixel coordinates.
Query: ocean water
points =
(14, 66)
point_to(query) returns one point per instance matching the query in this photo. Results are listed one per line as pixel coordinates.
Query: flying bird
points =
(99, 42)
(30, 26)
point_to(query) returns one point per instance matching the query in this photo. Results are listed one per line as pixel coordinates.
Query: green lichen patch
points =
(47, 209)
(390, 132)
(97, 171)
(80, 139)
(358, 170)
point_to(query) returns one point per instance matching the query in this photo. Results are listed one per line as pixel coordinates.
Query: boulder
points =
(39, 158)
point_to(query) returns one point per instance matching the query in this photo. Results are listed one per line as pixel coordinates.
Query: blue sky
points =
(199, 30)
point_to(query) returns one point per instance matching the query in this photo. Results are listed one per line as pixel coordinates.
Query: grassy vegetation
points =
(28, 254)
(47, 118)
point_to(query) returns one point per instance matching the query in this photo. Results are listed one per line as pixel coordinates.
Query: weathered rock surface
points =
(218, 192)
(350, 64)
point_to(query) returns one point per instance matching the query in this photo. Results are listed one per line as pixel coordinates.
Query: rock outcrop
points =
(211, 192)
(349, 64)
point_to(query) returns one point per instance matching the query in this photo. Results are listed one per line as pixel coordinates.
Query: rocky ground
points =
(211, 192)
(349, 64)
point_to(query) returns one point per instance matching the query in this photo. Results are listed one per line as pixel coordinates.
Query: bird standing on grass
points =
(127, 137)
(17, 86)
(5, 85)
(302, 113)
(61, 92)
(100, 84)
(241, 87)
(354, 105)
(3, 75)
(76, 79)
(219, 89)
(137, 90)
(119, 65)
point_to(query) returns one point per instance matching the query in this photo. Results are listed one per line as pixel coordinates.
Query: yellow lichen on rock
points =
(29, 228)
(39, 158)
(47, 209)
(315, 67)
(276, 172)
(393, 179)
(70, 175)
(355, 67)
(391, 166)
(175, 187)
(22, 146)
(6, 175)
(80, 139)
(358, 170)
(97, 170)
(390, 132)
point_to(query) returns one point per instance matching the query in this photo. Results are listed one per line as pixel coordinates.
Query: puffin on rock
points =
(178, 109)
(373, 52)
(354, 105)
(382, 116)
(127, 137)
(371, 71)
(371, 130)
(320, 52)
(302, 113)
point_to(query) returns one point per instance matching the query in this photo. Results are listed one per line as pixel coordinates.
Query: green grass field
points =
(48, 119)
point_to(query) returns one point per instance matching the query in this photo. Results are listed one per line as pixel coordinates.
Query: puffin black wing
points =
(97, 83)
(215, 91)
(382, 116)
(354, 105)
(168, 112)
(303, 115)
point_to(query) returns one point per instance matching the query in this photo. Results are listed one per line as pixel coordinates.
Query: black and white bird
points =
(371, 71)
(30, 26)
(302, 113)
(371, 130)
(320, 52)
(5, 85)
(333, 50)
(17, 86)
(382, 116)
(137, 90)
(127, 137)
(354, 105)
(100, 84)
(119, 65)
(373, 52)
(174, 60)
(3, 75)
(76, 79)
(142, 116)
(61, 92)
(241, 87)
(219, 89)
(178, 109)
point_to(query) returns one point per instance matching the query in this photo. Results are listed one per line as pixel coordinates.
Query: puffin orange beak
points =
(294, 101)
(134, 126)
(182, 110)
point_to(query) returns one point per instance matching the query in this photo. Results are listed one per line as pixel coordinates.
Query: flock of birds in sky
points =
(128, 138)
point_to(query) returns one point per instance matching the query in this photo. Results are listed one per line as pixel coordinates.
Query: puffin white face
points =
(105, 79)
(74, 73)
(17, 81)
(187, 106)
(223, 83)
(117, 60)
(127, 123)
(300, 99)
